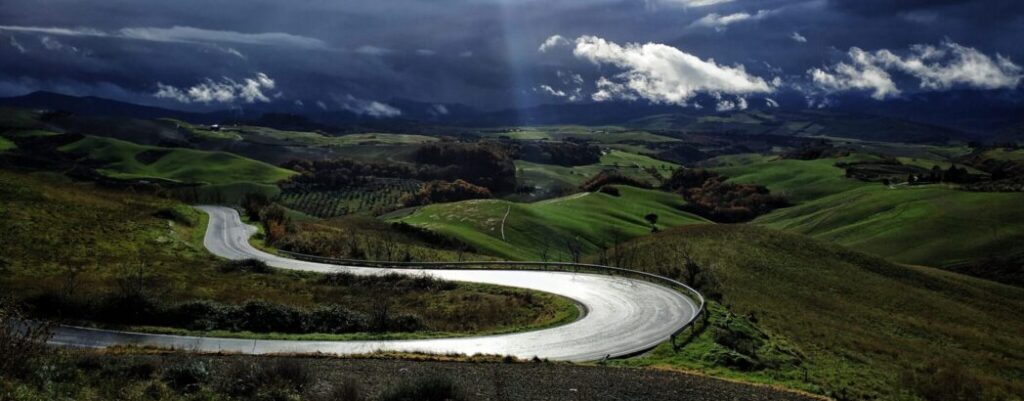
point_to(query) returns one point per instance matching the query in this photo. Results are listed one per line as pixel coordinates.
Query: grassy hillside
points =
(549, 176)
(812, 315)
(82, 245)
(121, 159)
(931, 225)
(604, 135)
(532, 230)
(797, 180)
(271, 136)
(6, 144)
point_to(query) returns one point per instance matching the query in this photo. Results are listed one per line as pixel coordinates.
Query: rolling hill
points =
(934, 225)
(809, 314)
(121, 159)
(543, 230)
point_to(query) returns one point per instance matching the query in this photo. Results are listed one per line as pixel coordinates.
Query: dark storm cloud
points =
(479, 52)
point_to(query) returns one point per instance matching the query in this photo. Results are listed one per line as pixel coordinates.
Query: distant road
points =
(623, 316)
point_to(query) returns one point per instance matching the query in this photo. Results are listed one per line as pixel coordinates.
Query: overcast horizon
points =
(492, 54)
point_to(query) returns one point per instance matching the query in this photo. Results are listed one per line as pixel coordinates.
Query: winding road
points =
(623, 316)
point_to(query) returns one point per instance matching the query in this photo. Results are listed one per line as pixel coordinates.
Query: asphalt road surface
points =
(623, 316)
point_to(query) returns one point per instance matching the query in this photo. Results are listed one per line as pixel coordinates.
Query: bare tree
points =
(575, 248)
(21, 342)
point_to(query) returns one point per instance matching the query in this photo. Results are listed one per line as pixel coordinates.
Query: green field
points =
(376, 196)
(603, 135)
(270, 136)
(75, 240)
(797, 180)
(816, 316)
(544, 176)
(535, 230)
(933, 225)
(6, 144)
(121, 159)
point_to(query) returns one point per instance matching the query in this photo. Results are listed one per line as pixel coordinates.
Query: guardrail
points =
(687, 291)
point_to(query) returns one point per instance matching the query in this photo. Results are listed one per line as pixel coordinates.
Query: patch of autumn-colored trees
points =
(709, 195)
(443, 191)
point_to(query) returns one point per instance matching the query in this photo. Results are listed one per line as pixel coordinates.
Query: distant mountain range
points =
(964, 115)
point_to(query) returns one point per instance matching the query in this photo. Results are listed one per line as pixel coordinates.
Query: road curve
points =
(624, 316)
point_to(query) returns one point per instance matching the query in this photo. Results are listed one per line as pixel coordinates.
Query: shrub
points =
(128, 309)
(187, 376)
(610, 190)
(21, 345)
(442, 192)
(175, 215)
(336, 319)
(246, 266)
(263, 316)
(273, 378)
(435, 388)
(200, 315)
(709, 195)
(606, 177)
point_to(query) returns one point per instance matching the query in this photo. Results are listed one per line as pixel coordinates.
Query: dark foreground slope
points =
(168, 377)
(813, 315)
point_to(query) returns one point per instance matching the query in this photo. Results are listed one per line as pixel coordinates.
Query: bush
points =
(336, 319)
(187, 376)
(709, 195)
(21, 345)
(606, 177)
(610, 190)
(390, 281)
(200, 315)
(443, 192)
(175, 215)
(434, 388)
(128, 309)
(246, 266)
(274, 378)
(263, 316)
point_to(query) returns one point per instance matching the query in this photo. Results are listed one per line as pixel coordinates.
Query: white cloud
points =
(370, 108)
(609, 90)
(697, 3)
(373, 50)
(797, 37)
(771, 102)
(730, 105)
(552, 42)
(233, 52)
(439, 110)
(55, 45)
(14, 43)
(54, 30)
(551, 91)
(321, 105)
(937, 68)
(466, 54)
(661, 73)
(861, 75)
(719, 22)
(190, 34)
(569, 78)
(184, 34)
(425, 52)
(250, 90)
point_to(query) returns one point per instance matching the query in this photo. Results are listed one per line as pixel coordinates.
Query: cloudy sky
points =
(360, 55)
